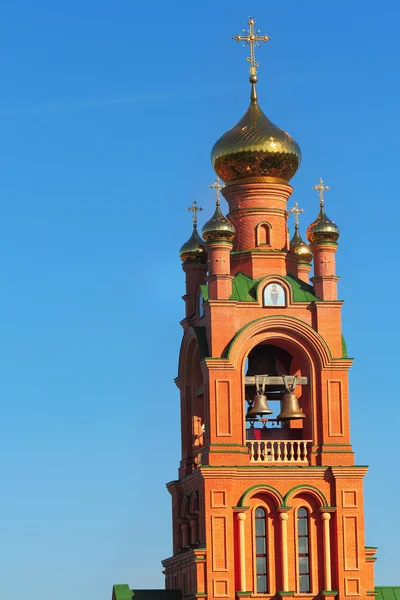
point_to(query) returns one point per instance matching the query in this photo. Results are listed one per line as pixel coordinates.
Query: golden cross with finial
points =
(321, 188)
(194, 208)
(252, 39)
(217, 186)
(296, 211)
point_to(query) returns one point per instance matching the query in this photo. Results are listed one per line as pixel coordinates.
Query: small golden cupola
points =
(297, 245)
(218, 228)
(255, 150)
(322, 229)
(193, 250)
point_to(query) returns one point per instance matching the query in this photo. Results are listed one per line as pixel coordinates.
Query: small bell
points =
(260, 405)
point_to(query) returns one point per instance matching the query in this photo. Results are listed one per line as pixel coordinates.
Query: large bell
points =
(260, 407)
(290, 408)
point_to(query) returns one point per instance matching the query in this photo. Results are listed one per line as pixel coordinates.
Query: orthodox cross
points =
(296, 211)
(217, 186)
(194, 208)
(321, 188)
(252, 39)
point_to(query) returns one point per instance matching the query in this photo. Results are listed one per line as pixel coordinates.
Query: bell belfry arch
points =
(268, 502)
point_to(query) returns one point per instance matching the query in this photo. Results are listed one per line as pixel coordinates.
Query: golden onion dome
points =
(255, 149)
(218, 228)
(323, 229)
(300, 248)
(193, 250)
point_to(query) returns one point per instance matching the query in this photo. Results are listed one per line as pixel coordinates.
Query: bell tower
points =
(268, 502)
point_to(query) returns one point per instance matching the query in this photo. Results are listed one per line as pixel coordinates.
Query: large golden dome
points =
(255, 150)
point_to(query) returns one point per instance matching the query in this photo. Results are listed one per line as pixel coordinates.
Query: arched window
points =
(261, 549)
(303, 550)
(263, 237)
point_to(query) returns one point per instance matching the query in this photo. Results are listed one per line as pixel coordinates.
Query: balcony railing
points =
(278, 451)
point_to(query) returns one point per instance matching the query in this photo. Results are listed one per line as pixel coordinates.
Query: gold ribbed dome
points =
(300, 248)
(218, 228)
(193, 250)
(255, 150)
(323, 229)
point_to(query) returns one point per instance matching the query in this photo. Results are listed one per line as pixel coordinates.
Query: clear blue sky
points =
(108, 113)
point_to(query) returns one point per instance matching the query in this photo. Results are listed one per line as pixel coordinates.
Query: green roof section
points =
(244, 288)
(123, 592)
(302, 291)
(204, 292)
(387, 593)
(344, 348)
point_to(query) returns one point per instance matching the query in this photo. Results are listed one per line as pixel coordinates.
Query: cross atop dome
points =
(321, 188)
(194, 208)
(296, 211)
(217, 186)
(252, 39)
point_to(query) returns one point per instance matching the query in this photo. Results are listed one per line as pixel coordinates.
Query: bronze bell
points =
(260, 407)
(290, 408)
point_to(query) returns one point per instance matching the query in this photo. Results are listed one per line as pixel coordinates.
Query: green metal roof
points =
(302, 292)
(244, 289)
(387, 593)
(122, 592)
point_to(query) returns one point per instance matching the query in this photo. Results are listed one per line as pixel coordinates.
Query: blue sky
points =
(108, 113)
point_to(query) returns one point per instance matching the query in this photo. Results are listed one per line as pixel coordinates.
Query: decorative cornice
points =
(353, 472)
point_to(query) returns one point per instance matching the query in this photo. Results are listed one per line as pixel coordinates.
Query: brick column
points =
(219, 276)
(325, 280)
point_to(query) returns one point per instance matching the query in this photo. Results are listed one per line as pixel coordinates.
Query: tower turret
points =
(218, 233)
(194, 262)
(323, 235)
(299, 248)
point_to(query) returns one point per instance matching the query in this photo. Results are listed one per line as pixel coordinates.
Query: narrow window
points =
(303, 550)
(261, 550)
(263, 235)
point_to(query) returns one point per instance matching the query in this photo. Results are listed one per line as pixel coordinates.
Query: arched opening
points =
(192, 404)
(263, 234)
(277, 403)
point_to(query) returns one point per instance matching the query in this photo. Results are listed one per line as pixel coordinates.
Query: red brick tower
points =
(269, 501)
